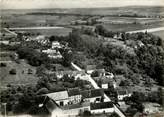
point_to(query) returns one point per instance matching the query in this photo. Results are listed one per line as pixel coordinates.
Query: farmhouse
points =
(61, 98)
(56, 44)
(70, 73)
(5, 42)
(90, 68)
(122, 93)
(104, 107)
(74, 96)
(107, 82)
(93, 96)
(53, 53)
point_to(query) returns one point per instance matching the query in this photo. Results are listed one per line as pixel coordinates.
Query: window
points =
(97, 99)
(61, 104)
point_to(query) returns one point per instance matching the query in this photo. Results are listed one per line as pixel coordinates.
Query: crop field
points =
(21, 77)
(36, 20)
(131, 27)
(49, 32)
(126, 20)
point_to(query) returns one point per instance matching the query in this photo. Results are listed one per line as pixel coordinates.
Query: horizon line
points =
(84, 7)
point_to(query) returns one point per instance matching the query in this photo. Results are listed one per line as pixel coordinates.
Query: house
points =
(90, 68)
(70, 73)
(53, 53)
(118, 36)
(107, 82)
(61, 98)
(12, 43)
(98, 72)
(109, 75)
(103, 107)
(122, 93)
(41, 39)
(74, 96)
(5, 42)
(56, 44)
(93, 96)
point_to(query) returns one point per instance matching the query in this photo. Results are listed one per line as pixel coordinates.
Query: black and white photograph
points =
(81, 58)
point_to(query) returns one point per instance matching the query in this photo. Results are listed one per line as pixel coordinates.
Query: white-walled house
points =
(61, 98)
(90, 68)
(109, 75)
(92, 96)
(52, 53)
(74, 96)
(105, 82)
(56, 44)
(122, 93)
(70, 73)
(103, 107)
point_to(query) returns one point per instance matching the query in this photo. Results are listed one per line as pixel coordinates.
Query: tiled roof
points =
(70, 72)
(96, 92)
(123, 91)
(73, 92)
(92, 93)
(104, 79)
(58, 95)
(102, 105)
(90, 67)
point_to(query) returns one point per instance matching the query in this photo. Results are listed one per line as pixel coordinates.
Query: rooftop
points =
(58, 95)
(92, 93)
(73, 92)
(102, 105)
(123, 91)
(90, 67)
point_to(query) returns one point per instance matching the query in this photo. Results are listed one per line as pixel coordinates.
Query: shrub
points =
(12, 71)
(3, 65)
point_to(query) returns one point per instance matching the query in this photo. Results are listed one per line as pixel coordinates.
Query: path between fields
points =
(37, 28)
(6, 29)
(148, 30)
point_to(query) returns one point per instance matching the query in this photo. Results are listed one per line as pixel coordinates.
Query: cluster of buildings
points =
(54, 52)
(91, 100)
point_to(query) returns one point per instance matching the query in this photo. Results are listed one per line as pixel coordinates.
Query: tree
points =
(40, 70)
(95, 74)
(3, 64)
(12, 71)
(67, 58)
(124, 83)
(159, 70)
(42, 91)
(87, 113)
(114, 115)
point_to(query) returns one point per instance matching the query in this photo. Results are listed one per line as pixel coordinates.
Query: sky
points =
(34, 4)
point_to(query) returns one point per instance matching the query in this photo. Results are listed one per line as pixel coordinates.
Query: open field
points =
(141, 10)
(114, 19)
(160, 34)
(47, 32)
(129, 20)
(21, 77)
(35, 20)
(131, 27)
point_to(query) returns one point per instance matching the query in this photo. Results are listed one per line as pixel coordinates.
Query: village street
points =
(94, 84)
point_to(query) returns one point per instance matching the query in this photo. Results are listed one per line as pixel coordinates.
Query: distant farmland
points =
(160, 34)
(47, 32)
